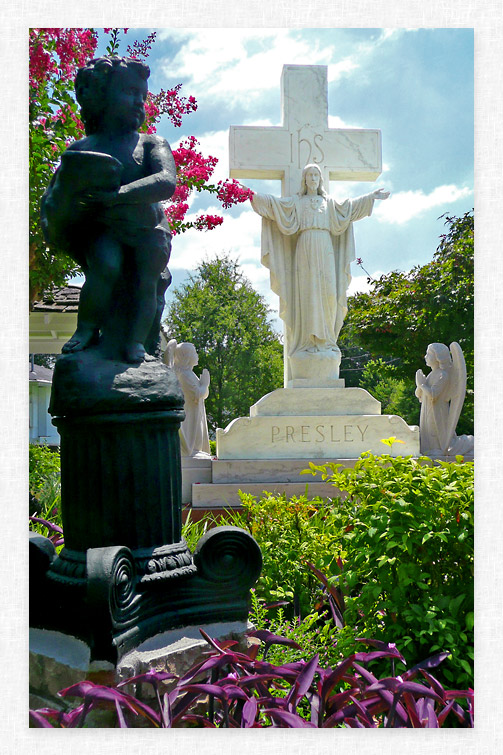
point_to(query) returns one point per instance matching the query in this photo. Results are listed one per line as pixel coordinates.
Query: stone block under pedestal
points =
(58, 660)
(195, 470)
(178, 650)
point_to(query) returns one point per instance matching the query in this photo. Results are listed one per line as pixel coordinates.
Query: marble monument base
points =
(259, 476)
(317, 423)
(290, 427)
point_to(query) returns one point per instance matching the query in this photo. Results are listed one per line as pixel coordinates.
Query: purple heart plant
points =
(232, 689)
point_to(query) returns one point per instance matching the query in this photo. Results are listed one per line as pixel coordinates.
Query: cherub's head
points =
(112, 90)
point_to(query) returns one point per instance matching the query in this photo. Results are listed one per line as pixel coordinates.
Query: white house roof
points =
(40, 374)
(53, 320)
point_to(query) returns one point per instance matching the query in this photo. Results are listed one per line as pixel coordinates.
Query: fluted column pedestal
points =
(121, 483)
(125, 572)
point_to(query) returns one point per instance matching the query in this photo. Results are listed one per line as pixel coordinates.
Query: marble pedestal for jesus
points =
(290, 427)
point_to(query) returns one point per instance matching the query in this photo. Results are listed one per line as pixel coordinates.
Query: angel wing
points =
(169, 355)
(457, 391)
(164, 331)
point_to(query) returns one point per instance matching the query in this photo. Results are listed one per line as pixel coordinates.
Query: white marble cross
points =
(281, 152)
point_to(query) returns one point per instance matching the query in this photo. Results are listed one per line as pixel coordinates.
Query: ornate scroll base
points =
(113, 610)
(125, 572)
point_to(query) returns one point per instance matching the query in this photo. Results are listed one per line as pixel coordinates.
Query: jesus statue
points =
(308, 246)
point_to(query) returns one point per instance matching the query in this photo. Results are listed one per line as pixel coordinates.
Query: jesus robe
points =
(308, 246)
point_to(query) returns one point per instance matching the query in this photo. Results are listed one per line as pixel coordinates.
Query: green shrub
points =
(43, 462)
(45, 485)
(399, 547)
(314, 633)
(289, 533)
(408, 555)
(49, 498)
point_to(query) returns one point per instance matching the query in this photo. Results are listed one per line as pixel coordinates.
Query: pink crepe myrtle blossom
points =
(191, 163)
(141, 49)
(208, 222)
(58, 52)
(232, 192)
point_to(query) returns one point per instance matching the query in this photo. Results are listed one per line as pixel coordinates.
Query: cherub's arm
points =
(204, 384)
(160, 184)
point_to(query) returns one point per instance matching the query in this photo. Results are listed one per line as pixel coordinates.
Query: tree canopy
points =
(404, 312)
(227, 321)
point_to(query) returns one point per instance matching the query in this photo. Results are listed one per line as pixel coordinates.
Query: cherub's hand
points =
(380, 194)
(205, 377)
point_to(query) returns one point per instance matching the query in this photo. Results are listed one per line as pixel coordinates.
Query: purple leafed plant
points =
(232, 689)
(55, 531)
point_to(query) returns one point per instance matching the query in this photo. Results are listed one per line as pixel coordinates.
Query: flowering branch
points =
(194, 172)
(359, 262)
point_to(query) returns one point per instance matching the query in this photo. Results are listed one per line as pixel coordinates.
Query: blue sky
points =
(415, 85)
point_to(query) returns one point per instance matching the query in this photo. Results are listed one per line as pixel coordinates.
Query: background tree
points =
(396, 394)
(404, 312)
(353, 357)
(55, 57)
(227, 321)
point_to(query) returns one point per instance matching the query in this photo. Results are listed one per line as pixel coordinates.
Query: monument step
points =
(268, 470)
(226, 494)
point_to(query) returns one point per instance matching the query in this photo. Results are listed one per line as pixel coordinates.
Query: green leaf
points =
(466, 666)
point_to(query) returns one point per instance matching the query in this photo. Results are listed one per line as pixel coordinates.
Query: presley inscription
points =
(318, 433)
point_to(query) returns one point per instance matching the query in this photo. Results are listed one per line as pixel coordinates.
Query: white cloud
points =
(360, 285)
(240, 236)
(336, 70)
(388, 34)
(405, 205)
(335, 122)
(240, 64)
